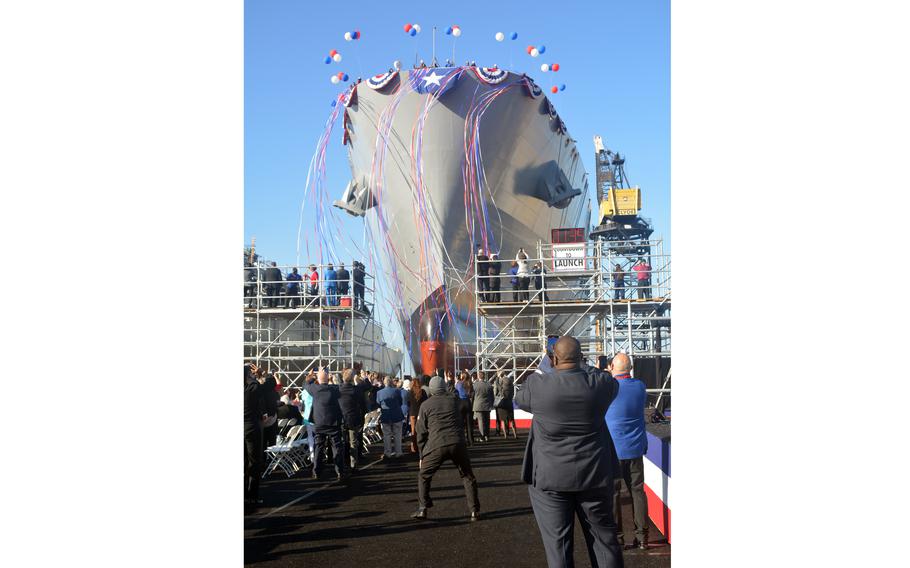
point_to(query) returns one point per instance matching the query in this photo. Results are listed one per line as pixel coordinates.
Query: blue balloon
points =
(542, 49)
(345, 78)
(413, 32)
(354, 35)
(514, 35)
(327, 60)
(562, 87)
(334, 103)
(448, 31)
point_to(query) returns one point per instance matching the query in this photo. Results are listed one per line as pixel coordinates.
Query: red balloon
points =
(530, 47)
(341, 74)
(554, 89)
(407, 27)
(357, 34)
(554, 67)
(333, 52)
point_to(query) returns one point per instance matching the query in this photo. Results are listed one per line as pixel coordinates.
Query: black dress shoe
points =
(475, 516)
(420, 514)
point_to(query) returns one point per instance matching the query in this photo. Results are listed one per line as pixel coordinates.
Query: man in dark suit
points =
(570, 462)
(440, 438)
(353, 408)
(359, 287)
(273, 286)
(483, 279)
(253, 417)
(495, 267)
(483, 405)
(327, 422)
(344, 280)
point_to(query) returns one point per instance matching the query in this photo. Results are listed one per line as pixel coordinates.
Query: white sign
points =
(568, 258)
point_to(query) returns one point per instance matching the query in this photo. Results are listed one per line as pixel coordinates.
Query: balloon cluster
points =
(453, 31)
(414, 29)
(554, 88)
(549, 67)
(535, 51)
(333, 56)
(349, 36)
(340, 76)
(501, 36)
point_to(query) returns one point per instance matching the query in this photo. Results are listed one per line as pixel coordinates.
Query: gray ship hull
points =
(534, 182)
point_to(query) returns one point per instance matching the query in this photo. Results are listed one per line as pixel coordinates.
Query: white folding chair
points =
(279, 453)
(299, 455)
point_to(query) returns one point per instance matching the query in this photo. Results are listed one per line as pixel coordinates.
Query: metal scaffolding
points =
(295, 333)
(590, 291)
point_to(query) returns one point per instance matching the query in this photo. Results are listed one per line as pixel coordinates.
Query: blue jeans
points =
(331, 295)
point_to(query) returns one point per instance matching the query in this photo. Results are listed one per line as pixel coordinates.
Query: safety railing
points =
(611, 296)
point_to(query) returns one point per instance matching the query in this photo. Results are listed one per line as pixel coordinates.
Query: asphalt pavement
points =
(366, 518)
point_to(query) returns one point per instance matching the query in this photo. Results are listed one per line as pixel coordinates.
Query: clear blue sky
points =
(614, 58)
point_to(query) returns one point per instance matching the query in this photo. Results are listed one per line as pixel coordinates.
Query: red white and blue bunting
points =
(352, 96)
(491, 75)
(531, 88)
(377, 82)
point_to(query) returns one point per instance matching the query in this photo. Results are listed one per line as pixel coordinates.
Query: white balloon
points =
(500, 36)
(337, 57)
(335, 79)
(544, 67)
(417, 27)
(534, 53)
(396, 64)
(456, 32)
(348, 36)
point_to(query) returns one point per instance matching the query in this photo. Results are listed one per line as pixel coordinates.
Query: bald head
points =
(621, 363)
(567, 353)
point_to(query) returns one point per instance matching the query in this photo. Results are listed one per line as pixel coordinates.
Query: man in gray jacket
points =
(570, 461)
(440, 437)
(483, 405)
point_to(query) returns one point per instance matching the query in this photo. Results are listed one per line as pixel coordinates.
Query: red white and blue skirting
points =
(657, 483)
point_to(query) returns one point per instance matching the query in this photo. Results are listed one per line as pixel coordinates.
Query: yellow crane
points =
(614, 195)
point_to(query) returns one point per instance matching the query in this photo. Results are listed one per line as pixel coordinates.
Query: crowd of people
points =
(521, 274)
(294, 289)
(587, 437)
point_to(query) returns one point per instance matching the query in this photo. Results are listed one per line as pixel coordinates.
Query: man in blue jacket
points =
(626, 421)
(293, 292)
(331, 285)
(390, 417)
(570, 462)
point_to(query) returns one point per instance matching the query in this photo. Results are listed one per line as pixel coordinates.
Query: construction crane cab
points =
(619, 203)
